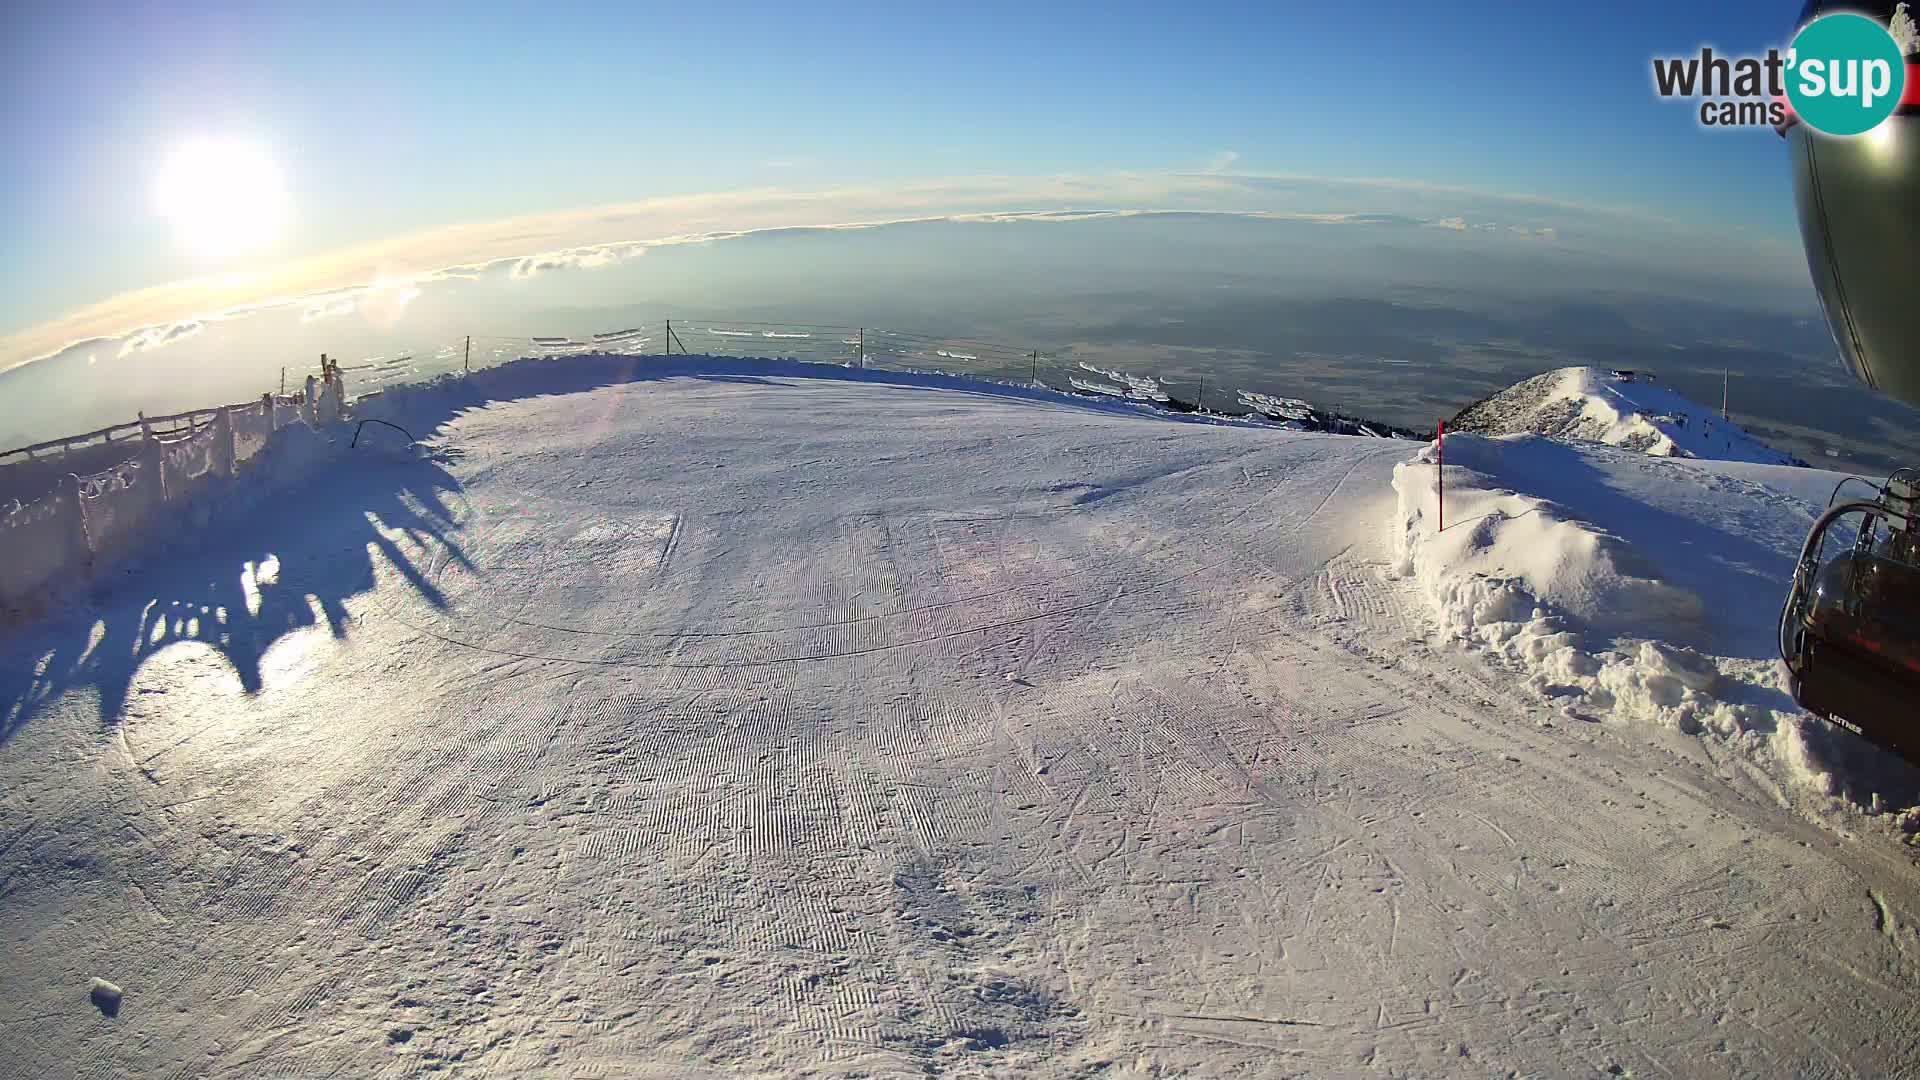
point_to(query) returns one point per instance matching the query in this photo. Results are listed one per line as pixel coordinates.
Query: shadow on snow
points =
(215, 587)
(329, 533)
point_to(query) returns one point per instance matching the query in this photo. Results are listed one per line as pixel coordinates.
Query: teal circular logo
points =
(1845, 74)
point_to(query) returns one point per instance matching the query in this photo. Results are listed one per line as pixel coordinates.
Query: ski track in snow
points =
(696, 727)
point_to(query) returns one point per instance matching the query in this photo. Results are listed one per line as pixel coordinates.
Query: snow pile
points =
(1618, 408)
(1279, 408)
(1088, 386)
(1505, 549)
(1626, 588)
(1122, 384)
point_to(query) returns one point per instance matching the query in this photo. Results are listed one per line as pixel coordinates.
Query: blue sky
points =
(389, 122)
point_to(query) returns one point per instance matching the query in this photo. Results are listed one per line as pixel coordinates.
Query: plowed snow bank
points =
(1625, 587)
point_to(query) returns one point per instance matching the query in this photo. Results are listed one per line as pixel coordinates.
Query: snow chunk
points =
(105, 996)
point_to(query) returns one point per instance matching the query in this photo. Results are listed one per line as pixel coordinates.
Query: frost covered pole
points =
(222, 456)
(466, 357)
(1440, 474)
(863, 348)
(82, 548)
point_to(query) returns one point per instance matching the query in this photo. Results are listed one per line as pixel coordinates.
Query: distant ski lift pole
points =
(1440, 473)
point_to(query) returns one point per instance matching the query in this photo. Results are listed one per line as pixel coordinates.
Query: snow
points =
(165, 494)
(1629, 588)
(1633, 411)
(105, 996)
(1287, 408)
(690, 716)
(1091, 387)
(1120, 384)
(46, 541)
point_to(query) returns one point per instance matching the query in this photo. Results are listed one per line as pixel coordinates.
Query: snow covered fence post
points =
(333, 396)
(220, 456)
(1440, 473)
(75, 533)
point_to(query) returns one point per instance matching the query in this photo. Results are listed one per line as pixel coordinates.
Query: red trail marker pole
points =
(1440, 474)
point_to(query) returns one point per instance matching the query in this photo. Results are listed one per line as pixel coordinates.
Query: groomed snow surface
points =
(708, 717)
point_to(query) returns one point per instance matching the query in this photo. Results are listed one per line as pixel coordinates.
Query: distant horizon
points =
(1298, 197)
(1393, 315)
(160, 144)
(592, 236)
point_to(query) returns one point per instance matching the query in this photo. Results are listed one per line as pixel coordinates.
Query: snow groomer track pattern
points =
(745, 722)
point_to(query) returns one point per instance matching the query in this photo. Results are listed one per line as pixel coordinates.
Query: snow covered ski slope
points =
(759, 719)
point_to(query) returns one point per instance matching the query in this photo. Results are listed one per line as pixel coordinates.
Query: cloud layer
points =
(374, 278)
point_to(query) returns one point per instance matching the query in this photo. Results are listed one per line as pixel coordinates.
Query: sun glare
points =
(223, 196)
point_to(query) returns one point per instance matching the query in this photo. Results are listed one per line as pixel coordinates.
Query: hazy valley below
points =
(1397, 319)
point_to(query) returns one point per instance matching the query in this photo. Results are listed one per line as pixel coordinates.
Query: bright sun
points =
(223, 196)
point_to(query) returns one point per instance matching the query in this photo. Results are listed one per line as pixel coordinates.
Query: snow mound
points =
(1626, 588)
(1617, 408)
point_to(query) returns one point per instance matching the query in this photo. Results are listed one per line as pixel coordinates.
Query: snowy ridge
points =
(1626, 588)
(588, 369)
(1618, 408)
